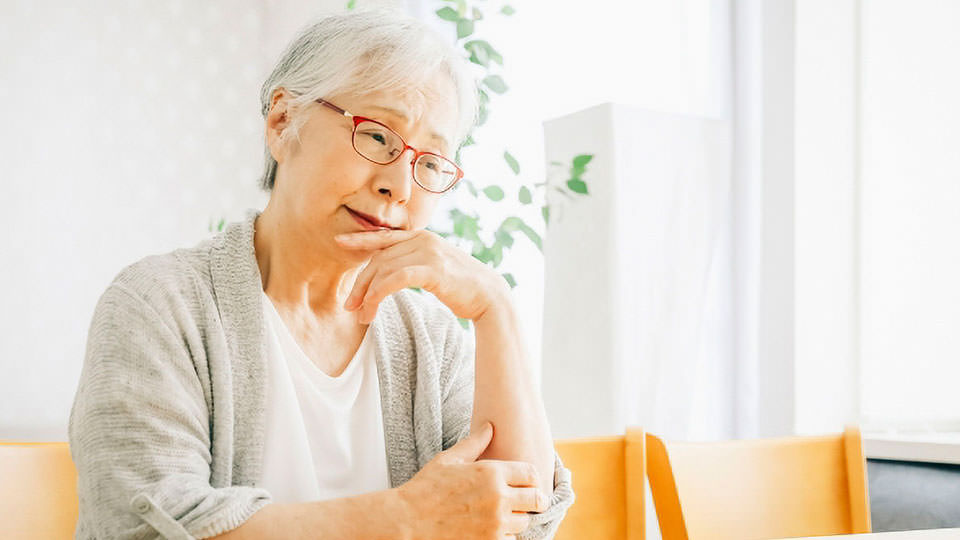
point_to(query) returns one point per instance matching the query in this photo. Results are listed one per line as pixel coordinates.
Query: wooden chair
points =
(754, 489)
(38, 490)
(608, 475)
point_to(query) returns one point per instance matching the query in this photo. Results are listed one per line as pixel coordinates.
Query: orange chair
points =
(759, 489)
(38, 490)
(608, 479)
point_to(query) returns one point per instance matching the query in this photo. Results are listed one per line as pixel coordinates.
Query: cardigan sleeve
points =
(457, 412)
(139, 432)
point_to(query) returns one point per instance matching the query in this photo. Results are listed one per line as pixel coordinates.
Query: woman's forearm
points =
(379, 515)
(506, 393)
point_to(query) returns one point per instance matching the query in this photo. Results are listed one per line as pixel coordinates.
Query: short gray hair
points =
(364, 51)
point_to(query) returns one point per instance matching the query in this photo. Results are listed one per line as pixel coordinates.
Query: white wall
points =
(637, 306)
(825, 209)
(127, 128)
(910, 214)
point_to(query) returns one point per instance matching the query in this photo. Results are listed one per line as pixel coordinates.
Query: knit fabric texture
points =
(167, 425)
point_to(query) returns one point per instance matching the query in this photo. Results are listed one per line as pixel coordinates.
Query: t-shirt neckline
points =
(327, 380)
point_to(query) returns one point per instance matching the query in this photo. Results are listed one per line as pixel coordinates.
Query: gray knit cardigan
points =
(167, 425)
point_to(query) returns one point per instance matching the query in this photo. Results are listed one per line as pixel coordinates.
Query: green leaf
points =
(472, 188)
(481, 52)
(492, 53)
(493, 192)
(465, 226)
(447, 13)
(524, 195)
(509, 277)
(512, 223)
(497, 250)
(507, 10)
(582, 160)
(533, 236)
(351, 4)
(580, 164)
(465, 323)
(495, 83)
(484, 255)
(478, 53)
(504, 238)
(418, 289)
(577, 185)
(464, 28)
(512, 162)
(545, 212)
(477, 14)
(482, 117)
(220, 224)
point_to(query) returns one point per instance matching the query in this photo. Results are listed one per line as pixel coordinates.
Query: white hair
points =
(365, 51)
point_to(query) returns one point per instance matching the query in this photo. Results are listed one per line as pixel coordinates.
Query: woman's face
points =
(322, 175)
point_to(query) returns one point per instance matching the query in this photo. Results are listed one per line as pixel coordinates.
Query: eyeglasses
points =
(378, 143)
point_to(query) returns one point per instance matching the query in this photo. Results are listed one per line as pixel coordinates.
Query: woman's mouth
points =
(364, 222)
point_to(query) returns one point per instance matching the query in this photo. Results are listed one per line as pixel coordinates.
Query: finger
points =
(528, 499)
(517, 522)
(376, 263)
(387, 282)
(520, 473)
(374, 239)
(469, 448)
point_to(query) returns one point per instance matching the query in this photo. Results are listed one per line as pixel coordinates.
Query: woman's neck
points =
(299, 272)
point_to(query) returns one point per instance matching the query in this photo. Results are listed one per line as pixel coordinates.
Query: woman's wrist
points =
(497, 297)
(398, 506)
(378, 515)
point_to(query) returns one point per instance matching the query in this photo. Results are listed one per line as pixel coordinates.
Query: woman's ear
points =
(278, 120)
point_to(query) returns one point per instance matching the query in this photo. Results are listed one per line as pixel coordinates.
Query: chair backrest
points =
(38, 490)
(608, 475)
(754, 489)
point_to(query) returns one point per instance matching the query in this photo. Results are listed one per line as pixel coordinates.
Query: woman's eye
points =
(379, 137)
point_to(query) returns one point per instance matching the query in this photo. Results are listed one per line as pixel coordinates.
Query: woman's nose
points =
(397, 181)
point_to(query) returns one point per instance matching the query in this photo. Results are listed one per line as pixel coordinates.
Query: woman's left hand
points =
(420, 258)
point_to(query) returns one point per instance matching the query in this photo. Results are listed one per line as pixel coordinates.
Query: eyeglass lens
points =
(381, 145)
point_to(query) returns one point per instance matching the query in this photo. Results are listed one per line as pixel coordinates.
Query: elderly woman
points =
(284, 379)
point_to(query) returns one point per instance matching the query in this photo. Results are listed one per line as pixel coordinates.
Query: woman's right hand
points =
(454, 496)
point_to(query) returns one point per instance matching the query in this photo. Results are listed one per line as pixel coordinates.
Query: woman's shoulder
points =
(172, 277)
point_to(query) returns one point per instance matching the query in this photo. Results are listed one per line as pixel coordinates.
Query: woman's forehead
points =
(436, 112)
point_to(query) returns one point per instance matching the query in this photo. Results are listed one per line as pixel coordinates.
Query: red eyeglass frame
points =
(357, 119)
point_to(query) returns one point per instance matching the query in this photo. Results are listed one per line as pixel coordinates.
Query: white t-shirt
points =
(324, 434)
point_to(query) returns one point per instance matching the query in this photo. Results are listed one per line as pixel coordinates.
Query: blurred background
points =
(767, 246)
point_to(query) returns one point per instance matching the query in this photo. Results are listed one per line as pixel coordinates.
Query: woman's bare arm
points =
(506, 393)
(374, 516)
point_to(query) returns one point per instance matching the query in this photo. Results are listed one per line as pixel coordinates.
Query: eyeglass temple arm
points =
(334, 107)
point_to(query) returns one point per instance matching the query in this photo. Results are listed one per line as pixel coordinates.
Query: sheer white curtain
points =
(640, 319)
